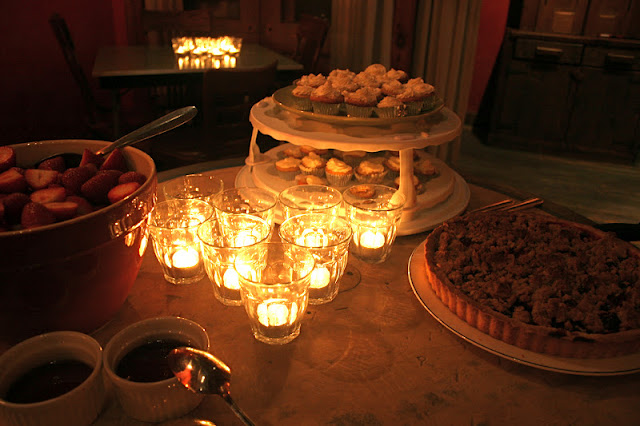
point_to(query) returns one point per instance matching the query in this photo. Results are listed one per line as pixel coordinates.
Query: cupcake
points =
(312, 164)
(417, 80)
(364, 79)
(293, 151)
(361, 102)
(300, 97)
(390, 107)
(338, 172)
(370, 172)
(344, 84)
(399, 75)
(412, 99)
(425, 168)
(312, 80)
(428, 94)
(392, 88)
(362, 191)
(376, 69)
(340, 73)
(310, 180)
(353, 158)
(288, 168)
(326, 99)
(393, 164)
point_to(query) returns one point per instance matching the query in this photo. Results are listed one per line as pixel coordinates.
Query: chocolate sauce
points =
(48, 381)
(148, 362)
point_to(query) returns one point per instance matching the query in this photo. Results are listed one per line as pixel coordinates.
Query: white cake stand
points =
(427, 130)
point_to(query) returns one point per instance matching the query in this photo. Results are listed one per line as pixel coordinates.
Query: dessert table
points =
(372, 356)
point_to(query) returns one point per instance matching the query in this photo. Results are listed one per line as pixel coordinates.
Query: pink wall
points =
(493, 20)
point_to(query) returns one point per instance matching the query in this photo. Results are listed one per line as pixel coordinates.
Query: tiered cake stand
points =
(444, 197)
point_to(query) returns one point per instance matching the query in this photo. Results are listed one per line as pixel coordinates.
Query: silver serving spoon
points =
(156, 127)
(201, 372)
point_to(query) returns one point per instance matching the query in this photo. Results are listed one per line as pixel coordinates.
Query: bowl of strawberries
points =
(72, 236)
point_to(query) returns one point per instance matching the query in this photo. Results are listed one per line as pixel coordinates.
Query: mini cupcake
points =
(338, 172)
(300, 97)
(339, 73)
(344, 84)
(293, 151)
(312, 80)
(428, 94)
(412, 99)
(417, 80)
(326, 100)
(364, 79)
(392, 88)
(306, 150)
(362, 191)
(425, 168)
(370, 172)
(390, 107)
(288, 168)
(393, 164)
(310, 180)
(361, 102)
(376, 69)
(399, 75)
(312, 164)
(353, 158)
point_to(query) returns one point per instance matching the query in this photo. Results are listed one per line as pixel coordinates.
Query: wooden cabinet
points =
(569, 95)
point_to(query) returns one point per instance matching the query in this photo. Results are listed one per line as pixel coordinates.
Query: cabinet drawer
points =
(615, 58)
(561, 53)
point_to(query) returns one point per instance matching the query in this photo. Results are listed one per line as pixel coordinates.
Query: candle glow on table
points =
(372, 239)
(274, 314)
(320, 277)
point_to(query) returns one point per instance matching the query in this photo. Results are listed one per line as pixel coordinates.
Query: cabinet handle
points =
(549, 51)
(617, 58)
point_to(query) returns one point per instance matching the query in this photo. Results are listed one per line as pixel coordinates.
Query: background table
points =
(373, 356)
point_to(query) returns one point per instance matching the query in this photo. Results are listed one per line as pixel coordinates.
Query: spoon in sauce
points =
(163, 124)
(201, 372)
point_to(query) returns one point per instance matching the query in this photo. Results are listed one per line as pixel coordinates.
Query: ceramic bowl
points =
(79, 406)
(160, 400)
(75, 274)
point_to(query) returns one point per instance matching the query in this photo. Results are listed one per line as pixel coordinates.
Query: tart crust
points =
(542, 339)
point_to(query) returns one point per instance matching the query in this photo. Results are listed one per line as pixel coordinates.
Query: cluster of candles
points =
(228, 238)
(206, 52)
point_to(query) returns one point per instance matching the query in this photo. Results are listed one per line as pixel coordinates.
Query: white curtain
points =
(444, 46)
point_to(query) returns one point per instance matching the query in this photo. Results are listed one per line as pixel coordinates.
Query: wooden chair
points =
(311, 34)
(95, 114)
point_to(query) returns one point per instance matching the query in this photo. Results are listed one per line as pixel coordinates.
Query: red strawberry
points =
(55, 163)
(7, 158)
(12, 181)
(73, 178)
(40, 178)
(97, 188)
(84, 206)
(115, 161)
(49, 195)
(122, 191)
(34, 215)
(62, 210)
(132, 177)
(13, 205)
(89, 157)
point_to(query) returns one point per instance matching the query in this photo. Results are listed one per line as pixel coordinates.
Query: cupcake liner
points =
(391, 112)
(303, 104)
(316, 171)
(414, 108)
(288, 175)
(325, 108)
(339, 180)
(359, 111)
(429, 102)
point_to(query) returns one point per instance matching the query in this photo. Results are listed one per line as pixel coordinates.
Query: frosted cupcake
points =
(338, 172)
(392, 163)
(312, 164)
(370, 172)
(293, 151)
(344, 84)
(313, 80)
(361, 102)
(353, 158)
(390, 107)
(399, 75)
(367, 80)
(425, 168)
(339, 73)
(288, 168)
(392, 88)
(300, 97)
(326, 99)
(306, 150)
(417, 80)
(427, 93)
(376, 69)
(412, 99)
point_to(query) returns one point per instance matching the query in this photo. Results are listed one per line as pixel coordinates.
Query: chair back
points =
(161, 26)
(63, 35)
(228, 95)
(311, 34)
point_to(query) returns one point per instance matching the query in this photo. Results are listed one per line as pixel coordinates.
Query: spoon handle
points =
(156, 127)
(241, 415)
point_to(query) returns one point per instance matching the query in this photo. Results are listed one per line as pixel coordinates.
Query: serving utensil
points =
(201, 372)
(510, 205)
(155, 128)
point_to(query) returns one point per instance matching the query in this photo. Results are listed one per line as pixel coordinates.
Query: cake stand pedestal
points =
(268, 118)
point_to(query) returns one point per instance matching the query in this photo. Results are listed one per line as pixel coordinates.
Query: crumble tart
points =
(539, 283)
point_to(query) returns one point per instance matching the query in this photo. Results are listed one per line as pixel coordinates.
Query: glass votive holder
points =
(220, 249)
(274, 284)
(249, 200)
(301, 199)
(327, 238)
(374, 211)
(173, 228)
(201, 186)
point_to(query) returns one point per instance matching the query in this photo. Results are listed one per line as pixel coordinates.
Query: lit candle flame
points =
(372, 239)
(320, 277)
(186, 257)
(273, 314)
(231, 279)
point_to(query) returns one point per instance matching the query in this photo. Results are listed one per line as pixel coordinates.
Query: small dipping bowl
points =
(32, 363)
(157, 400)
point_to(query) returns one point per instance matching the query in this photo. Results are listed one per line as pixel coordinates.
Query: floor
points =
(602, 192)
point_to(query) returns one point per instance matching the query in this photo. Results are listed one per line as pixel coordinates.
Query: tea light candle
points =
(274, 314)
(226, 61)
(320, 278)
(372, 239)
(231, 279)
(244, 238)
(312, 238)
(185, 258)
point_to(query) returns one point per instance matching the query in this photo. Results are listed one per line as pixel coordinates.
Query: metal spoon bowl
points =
(201, 372)
(156, 127)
